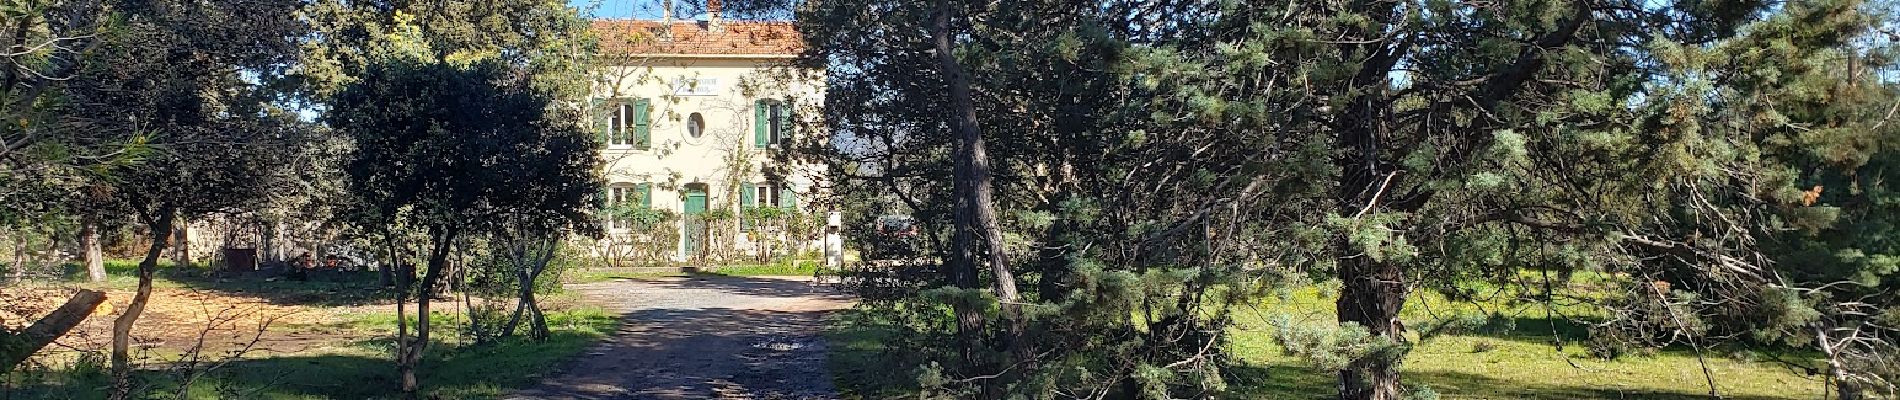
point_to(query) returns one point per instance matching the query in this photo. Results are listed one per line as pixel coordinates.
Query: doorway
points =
(693, 246)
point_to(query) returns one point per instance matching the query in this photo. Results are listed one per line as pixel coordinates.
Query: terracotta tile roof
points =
(635, 37)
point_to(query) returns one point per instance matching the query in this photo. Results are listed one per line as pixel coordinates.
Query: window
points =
(767, 193)
(772, 123)
(617, 131)
(624, 197)
(695, 125)
(619, 197)
(781, 123)
(626, 123)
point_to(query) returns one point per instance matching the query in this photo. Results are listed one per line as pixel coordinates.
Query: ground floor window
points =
(623, 198)
(768, 194)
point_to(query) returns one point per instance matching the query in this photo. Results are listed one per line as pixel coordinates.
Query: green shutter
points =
(642, 124)
(646, 194)
(787, 198)
(602, 114)
(747, 198)
(760, 111)
(785, 122)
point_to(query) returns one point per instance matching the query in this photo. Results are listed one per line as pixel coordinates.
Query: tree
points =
(1447, 142)
(976, 223)
(1123, 188)
(1461, 133)
(1784, 237)
(547, 39)
(453, 150)
(44, 42)
(207, 137)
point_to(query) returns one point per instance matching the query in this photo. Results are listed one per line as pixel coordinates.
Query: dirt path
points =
(704, 338)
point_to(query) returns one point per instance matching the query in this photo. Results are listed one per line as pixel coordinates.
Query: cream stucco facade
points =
(696, 133)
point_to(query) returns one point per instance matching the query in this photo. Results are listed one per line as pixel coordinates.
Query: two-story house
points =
(692, 113)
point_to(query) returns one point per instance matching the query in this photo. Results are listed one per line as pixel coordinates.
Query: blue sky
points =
(644, 9)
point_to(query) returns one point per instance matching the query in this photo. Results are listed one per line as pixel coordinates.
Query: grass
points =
(779, 268)
(350, 369)
(360, 370)
(1517, 361)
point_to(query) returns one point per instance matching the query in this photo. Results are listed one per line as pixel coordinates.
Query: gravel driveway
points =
(704, 338)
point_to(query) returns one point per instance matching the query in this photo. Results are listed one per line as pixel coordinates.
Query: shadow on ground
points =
(750, 286)
(700, 354)
(705, 337)
(315, 288)
(868, 370)
(1288, 382)
(450, 373)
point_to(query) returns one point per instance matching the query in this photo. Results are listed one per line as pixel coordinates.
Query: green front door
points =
(696, 228)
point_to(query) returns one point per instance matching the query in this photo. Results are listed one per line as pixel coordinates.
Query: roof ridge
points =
(759, 37)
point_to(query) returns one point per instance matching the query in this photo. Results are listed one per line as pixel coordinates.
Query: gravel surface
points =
(704, 338)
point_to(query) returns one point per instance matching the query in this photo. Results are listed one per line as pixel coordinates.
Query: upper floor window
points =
(772, 123)
(627, 123)
(695, 125)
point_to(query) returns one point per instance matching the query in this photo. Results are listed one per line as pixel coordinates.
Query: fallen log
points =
(16, 347)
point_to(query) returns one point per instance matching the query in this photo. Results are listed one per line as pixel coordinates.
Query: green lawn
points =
(1518, 363)
(1515, 363)
(361, 370)
(780, 268)
(348, 369)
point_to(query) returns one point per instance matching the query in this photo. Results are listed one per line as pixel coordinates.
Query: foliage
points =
(1783, 236)
(1168, 160)
(349, 370)
(1522, 365)
(1330, 348)
(1128, 220)
(545, 39)
(521, 268)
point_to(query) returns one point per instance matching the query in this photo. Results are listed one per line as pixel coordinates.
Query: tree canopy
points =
(1176, 160)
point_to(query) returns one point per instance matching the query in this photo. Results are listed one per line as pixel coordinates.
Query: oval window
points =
(695, 125)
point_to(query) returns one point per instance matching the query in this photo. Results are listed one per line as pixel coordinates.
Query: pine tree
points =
(1168, 160)
(1774, 154)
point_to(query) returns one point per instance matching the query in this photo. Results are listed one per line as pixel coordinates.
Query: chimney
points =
(712, 16)
(666, 20)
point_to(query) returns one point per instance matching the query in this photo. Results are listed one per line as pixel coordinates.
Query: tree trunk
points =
(49, 328)
(18, 273)
(530, 260)
(528, 305)
(514, 319)
(269, 251)
(537, 321)
(976, 214)
(182, 251)
(386, 270)
(94, 253)
(411, 358)
(404, 285)
(1371, 296)
(1373, 291)
(160, 230)
(1845, 388)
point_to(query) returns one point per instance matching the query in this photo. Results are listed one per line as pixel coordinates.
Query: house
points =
(693, 114)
